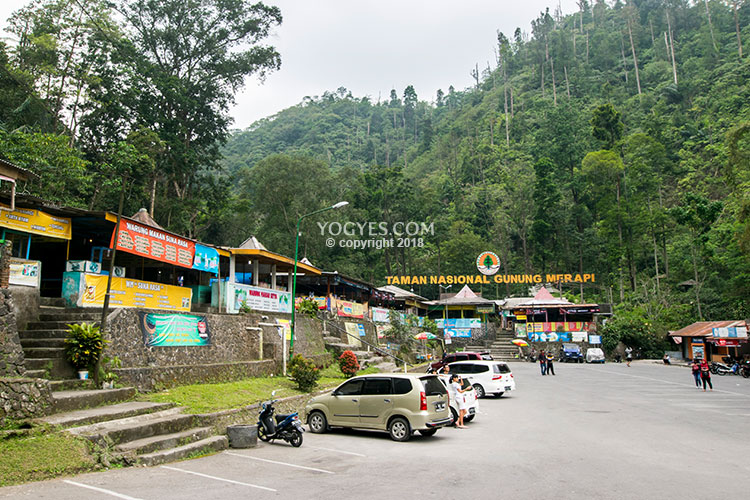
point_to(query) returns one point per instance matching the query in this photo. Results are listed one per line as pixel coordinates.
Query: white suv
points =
(487, 377)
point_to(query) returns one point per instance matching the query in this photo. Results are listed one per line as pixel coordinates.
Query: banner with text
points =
(380, 315)
(36, 222)
(350, 309)
(206, 259)
(153, 244)
(174, 330)
(25, 272)
(134, 293)
(258, 299)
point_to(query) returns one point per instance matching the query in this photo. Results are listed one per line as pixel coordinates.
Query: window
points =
(500, 368)
(433, 386)
(351, 388)
(486, 357)
(462, 357)
(461, 369)
(481, 368)
(380, 385)
(401, 386)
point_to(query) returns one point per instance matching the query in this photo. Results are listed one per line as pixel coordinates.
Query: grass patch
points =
(43, 455)
(207, 398)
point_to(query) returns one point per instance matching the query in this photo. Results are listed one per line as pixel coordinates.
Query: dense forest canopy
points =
(613, 141)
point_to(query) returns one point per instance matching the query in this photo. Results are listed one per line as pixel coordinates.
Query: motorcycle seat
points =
(281, 417)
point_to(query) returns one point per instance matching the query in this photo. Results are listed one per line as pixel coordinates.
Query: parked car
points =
(399, 403)
(470, 396)
(571, 353)
(487, 377)
(460, 356)
(594, 355)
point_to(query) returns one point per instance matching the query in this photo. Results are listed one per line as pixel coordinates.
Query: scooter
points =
(283, 426)
(722, 369)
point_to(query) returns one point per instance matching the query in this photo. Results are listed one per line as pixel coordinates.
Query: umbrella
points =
(425, 336)
(520, 343)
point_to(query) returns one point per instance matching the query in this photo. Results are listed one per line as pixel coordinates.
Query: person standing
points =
(628, 355)
(696, 367)
(706, 375)
(543, 362)
(459, 398)
(550, 363)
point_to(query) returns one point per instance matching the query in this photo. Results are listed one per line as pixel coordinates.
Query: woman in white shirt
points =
(459, 398)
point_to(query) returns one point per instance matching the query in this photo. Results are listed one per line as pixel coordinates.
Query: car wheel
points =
(469, 418)
(399, 429)
(428, 432)
(454, 416)
(480, 390)
(580, 360)
(318, 423)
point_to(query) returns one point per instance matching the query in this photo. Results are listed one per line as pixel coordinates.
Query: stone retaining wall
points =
(22, 398)
(11, 353)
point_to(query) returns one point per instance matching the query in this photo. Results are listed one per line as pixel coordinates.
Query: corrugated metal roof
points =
(704, 328)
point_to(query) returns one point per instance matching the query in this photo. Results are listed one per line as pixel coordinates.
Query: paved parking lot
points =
(596, 431)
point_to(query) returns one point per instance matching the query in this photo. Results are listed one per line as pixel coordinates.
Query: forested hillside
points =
(612, 141)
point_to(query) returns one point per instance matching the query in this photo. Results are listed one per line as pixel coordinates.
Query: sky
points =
(373, 46)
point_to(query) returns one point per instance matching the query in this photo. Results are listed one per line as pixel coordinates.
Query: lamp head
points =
(340, 204)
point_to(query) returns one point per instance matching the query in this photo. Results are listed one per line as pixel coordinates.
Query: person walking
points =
(706, 375)
(459, 398)
(543, 362)
(696, 367)
(550, 363)
(628, 355)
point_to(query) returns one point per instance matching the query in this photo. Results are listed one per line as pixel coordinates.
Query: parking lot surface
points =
(591, 431)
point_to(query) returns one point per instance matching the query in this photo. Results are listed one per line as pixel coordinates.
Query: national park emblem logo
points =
(488, 263)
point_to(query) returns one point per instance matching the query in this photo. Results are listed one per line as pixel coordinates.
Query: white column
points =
(232, 262)
(256, 268)
(273, 277)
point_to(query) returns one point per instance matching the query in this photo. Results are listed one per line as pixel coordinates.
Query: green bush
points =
(84, 345)
(348, 363)
(304, 372)
(308, 307)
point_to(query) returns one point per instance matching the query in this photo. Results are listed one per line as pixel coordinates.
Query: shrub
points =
(84, 345)
(348, 363)
(303, 372)
(308, 307)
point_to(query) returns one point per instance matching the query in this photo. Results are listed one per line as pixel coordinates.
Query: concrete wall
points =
(234, 353)
(11, 353)
(25, 304)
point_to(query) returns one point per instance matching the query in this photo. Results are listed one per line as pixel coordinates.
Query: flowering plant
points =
(83, 345)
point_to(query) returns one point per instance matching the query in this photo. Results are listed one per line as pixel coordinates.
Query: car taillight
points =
(511, 375)
(498, 377)
(422, 401)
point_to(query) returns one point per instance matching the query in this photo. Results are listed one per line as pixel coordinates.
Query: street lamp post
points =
(294, 277)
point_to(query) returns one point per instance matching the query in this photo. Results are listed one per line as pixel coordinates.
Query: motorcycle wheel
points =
(296, 438)
(262, 434)
(746, 372)
(721, 373)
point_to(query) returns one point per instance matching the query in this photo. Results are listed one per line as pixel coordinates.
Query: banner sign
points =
(697, 351)
(353, 330)
(485, 308)
(725, 342)
(381, 329)
(174, 330)
(469, 279)
(595, 339)
(458, 332)
(25, 272)
(258, 299)
(153, 244)
(380, 315)
(350, 309)
(361, 330)
(732, 332)
(286, 331)
(459, 323)
(549, 337)
(566, 326)
(35, 222)
(131, 293)
(206, 259)
(321, 302)
(520, 330)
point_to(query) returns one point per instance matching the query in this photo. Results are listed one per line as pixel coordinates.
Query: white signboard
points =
(730, 332)
(258, 299)
(25, 272)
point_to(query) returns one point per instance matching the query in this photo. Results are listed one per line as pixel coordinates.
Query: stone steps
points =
(52, 301)
(44, 352)
(45, 343)
(56, 368)
(35, 373)
(43, 334)
(70, 317)
(69, 384)
(133, 428)
(204, 446)
(164, 441)
(103, 413)
(49, 325)
(65, 401)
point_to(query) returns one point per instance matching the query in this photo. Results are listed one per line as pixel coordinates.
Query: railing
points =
(375, 348)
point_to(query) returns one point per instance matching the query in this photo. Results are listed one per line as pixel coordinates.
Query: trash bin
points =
(242, 436)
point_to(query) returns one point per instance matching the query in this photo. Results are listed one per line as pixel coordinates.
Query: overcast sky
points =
(372, 46)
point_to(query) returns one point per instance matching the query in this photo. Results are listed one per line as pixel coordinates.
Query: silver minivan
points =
(399, 403)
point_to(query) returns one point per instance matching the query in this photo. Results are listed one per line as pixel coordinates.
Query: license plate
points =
(439, 406)
(507, 387)
(472, 411)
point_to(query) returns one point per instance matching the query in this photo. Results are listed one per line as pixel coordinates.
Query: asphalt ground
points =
(591, 431)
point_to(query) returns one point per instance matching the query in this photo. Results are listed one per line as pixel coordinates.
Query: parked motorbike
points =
(283, 426)
(722, 369)
(745, 369)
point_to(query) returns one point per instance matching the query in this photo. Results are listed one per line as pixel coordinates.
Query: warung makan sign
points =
(129, 293)
(153, 244)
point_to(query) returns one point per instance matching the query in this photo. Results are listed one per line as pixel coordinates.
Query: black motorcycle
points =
(283, 426)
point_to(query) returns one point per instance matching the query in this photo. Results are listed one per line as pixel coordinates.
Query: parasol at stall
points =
(425, 336)
(520, 343)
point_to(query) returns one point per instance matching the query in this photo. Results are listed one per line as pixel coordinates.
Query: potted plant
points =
(83, 346)
(107, 375)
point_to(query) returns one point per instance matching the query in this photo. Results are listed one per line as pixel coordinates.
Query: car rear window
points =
(401, 385)
(487, 357)
(432, 386)
(500, 368)
(465, 384)
(380, 385)
(481, 368)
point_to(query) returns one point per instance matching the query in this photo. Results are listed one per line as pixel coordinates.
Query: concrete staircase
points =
(43, 342)
(134, 432)
(501, 349)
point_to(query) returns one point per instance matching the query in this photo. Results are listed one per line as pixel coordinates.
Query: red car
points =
(460, 356)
